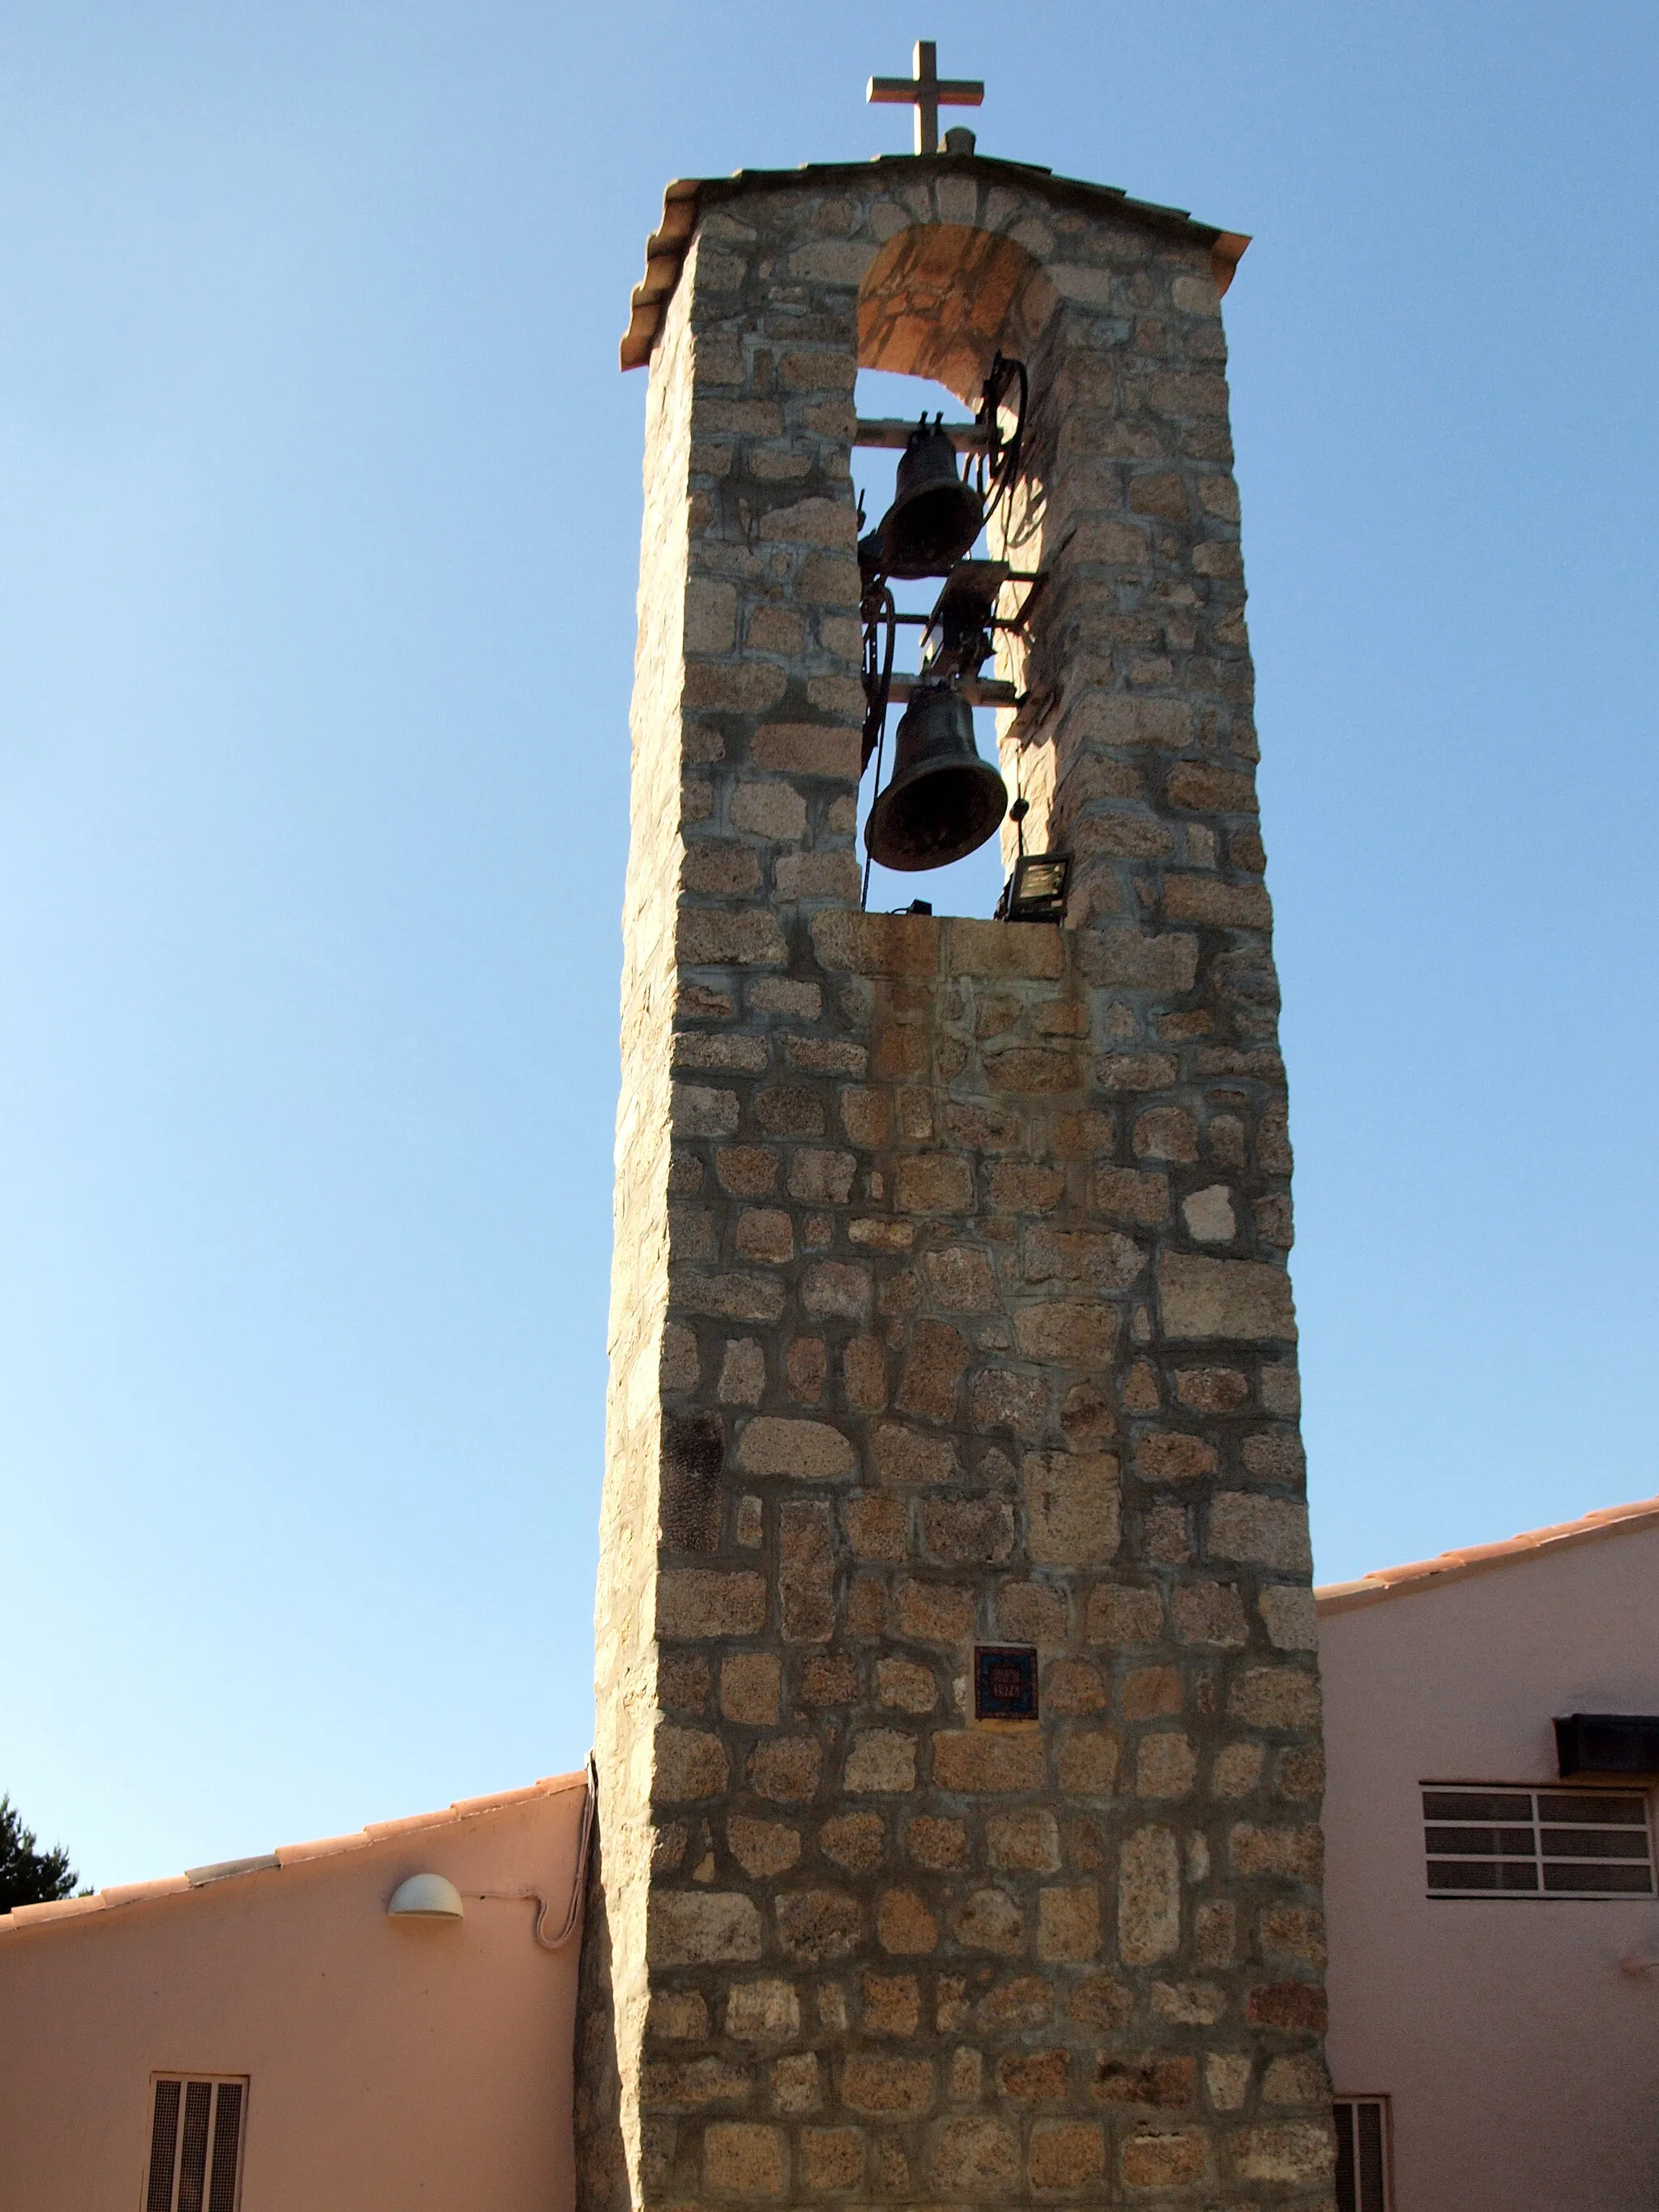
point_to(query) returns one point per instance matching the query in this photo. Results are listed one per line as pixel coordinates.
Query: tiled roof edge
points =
(22, 1918)
(1333, 1598)
(665, 248)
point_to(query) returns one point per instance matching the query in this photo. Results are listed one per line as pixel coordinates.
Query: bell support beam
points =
(977, 691)
(893, 434)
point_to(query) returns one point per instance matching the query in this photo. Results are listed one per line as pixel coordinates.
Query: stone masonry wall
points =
(950, 1307)
(613, 1985)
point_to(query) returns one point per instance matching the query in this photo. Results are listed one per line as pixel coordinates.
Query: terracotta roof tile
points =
(378, 1831)
(24, 1917)
(322, 1847)
(466, 1805)
(1476, 1559)
(230, 1870)
(137, 1892)
(65, 1908)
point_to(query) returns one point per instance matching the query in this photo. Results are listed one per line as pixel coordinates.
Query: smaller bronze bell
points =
(942, 801)
(935, 517)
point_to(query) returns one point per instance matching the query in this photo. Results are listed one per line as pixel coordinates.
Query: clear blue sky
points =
(319, 511)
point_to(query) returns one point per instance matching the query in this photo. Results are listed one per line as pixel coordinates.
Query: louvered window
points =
(196, 2144)
(1362, 2154)
(1536, 1843)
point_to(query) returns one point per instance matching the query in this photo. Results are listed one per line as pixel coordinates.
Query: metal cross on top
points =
(926, 92)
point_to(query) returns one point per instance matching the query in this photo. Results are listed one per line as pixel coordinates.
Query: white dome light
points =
(425, 1897)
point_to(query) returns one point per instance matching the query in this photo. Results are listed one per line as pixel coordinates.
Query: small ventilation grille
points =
(195, 2144)
(1362, 2154)
(1536, 1843)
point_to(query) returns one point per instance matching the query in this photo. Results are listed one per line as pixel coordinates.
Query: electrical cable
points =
(578, 1889)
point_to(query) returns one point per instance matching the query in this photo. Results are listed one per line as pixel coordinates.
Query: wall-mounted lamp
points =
(1037, 888)
(425, 1897)
(433, 1896)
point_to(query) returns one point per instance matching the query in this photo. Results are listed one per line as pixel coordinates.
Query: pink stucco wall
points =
(1522, 2064)
(391, 2064)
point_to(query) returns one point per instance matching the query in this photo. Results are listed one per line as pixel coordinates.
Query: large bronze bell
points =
(942, 801)
(935, 517)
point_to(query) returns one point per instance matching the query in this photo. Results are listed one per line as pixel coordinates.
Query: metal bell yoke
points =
(943, 801)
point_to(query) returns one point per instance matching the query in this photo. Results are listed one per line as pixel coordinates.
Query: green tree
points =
(28, 1877)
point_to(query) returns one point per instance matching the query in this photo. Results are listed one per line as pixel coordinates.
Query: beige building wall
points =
(391, 2064)
(1521, 2063)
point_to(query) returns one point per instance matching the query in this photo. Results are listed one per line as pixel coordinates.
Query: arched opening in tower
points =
(945, 313)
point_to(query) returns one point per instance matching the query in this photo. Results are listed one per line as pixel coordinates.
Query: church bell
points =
(942, 801)
(935, 517)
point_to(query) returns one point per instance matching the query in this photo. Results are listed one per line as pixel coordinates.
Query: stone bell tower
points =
(959, 1714)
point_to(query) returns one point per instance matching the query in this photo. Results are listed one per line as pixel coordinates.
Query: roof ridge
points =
(666, 246)
(1474, 1558)
(116, 1894)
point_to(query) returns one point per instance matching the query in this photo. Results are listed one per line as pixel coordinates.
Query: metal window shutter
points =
(163, 2147)
(227, 2142)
